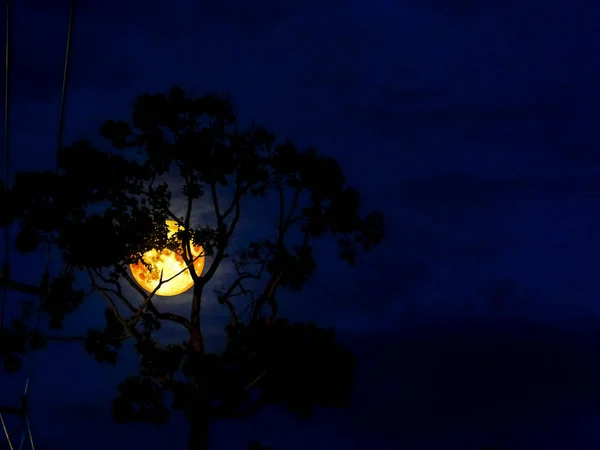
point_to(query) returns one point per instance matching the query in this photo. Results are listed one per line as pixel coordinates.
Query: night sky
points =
(472, 124)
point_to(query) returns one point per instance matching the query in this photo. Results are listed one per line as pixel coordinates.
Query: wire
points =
(23, 438)
(7, 91)
(61, 123)
(29, 432)
(4, 177)
(63, 97)
(10, 446)
(43, 289)
(26, 434)
(46, 276)
(5, 173)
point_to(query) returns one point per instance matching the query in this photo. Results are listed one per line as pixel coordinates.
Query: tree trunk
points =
(199, 427)
(198, 415)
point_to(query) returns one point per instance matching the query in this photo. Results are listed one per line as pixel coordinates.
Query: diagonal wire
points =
(5, 173)
(29, 432)
(61, 124)
(10, 446)
(28, 425)
(23, 439)
(63, 102)
(63, 97)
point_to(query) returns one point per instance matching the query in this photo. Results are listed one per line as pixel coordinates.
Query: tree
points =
(117, 202)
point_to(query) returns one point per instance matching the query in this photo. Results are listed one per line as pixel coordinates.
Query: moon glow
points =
(171, 263)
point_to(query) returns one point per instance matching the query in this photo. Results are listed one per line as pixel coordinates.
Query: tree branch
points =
(172, 215)
(234, 317)
(236, 218)
(268, 297)
(171, 317)
(13, 410)
(252, 300)
(148, 299)
(281, 206)
(224, 298)
(225, 242)
(229, 408)
(150, 296)
(175, 386)
(215, 199)
(65, 338)
(186, 246)
(201, 281)
(104, 291)
(130, 329)
(288, 219)
(237, 193)
(20, 287)
(118, 292)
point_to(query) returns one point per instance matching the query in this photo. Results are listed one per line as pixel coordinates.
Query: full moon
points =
(171, 263)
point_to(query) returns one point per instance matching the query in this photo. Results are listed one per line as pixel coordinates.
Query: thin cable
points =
(5, 173)
(43, 289)
(25, 408)
(29, 432)
(63, 97)
(10, 446)
(61, 124)
(63, 102)
(23, 439)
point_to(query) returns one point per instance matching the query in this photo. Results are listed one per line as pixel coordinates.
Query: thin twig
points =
(256, 380)
(171, 317)
(65, 338)
(148, 299)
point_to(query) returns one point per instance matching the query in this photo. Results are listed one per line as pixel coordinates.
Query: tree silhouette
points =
(105, 209)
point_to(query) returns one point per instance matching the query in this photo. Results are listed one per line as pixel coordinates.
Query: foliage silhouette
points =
(117, 202)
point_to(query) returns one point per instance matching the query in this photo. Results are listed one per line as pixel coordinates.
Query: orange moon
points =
(171, 263)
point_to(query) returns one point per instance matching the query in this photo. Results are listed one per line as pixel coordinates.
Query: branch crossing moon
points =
(171, 263)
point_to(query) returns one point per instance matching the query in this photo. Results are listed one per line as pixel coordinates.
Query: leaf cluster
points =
(103, 209)
(16, 341)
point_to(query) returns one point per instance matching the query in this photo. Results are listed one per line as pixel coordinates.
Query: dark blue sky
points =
(471, 123)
